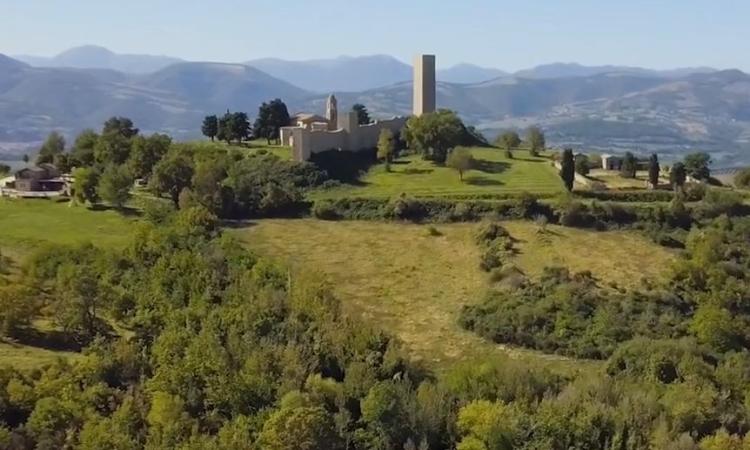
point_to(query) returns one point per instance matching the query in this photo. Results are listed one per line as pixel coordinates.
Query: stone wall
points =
(350, 136)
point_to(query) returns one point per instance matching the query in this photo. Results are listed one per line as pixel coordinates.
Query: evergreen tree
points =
(678, 175)
(363, 116)
(567, 171)
(210, 127)
(654, 170)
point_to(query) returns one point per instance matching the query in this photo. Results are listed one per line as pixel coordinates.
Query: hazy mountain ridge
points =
(611, 109)
(95, 57)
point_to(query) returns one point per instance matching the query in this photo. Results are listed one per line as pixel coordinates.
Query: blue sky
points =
(509, 35)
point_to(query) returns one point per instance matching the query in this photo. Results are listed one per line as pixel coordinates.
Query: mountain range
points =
(602, 107)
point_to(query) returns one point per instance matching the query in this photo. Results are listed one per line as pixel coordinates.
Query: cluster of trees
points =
(511, 140)
(235, 126)
(106, 164)
(227, 183)
(232, 126)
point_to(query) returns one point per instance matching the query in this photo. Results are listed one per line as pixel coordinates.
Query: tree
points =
(26, 158)
(146, 152)
(742, 179)
(85, 187)
(4, 169)
(225, 126)
(434, 134)
(654, 170)
(301, 428)
(121, 126)
(697, 165)
(677, 176)
(171, 175)
(240, 127)
(715, 327)
(210, 127)
(112, 148)
(567, 169)
(54, 145)
(363, 116)
(386, 147)
(460, 159)
(271, 117)
(629, 166)
(510, 140)
(77, 299)
(115, 185)
(535, 138)
(582, 164)
(82, 154)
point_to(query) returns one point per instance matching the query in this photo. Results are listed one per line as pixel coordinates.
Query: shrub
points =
(325, 210)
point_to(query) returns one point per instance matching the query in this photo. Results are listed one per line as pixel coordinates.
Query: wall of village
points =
(349, 137)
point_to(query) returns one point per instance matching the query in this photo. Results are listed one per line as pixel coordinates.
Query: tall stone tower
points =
(424, 84)
(332, 112)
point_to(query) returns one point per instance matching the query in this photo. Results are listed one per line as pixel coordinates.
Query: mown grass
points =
(27, 224)
(412, 282)
(494, 174)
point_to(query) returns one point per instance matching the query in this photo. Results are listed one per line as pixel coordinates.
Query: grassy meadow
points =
(400, 277)
(26, 224)
(494, 174)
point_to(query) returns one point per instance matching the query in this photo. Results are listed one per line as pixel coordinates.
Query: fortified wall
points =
(349, 136)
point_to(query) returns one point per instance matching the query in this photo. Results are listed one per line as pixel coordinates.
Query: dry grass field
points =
(400, 277)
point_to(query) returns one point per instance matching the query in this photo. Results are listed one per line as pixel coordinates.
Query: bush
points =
(325, 210)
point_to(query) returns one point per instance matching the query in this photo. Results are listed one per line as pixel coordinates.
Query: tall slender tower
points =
(332, 113)
(424, 84)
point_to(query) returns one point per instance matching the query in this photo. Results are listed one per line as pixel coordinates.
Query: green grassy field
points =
(494, 174)
(254, 146)
(26, 224)
(399, 277)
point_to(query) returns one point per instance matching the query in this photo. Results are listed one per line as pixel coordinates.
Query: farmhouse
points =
(312, 133)
(38, 181)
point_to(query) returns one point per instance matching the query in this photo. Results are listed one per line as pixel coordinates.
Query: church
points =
(311, 133)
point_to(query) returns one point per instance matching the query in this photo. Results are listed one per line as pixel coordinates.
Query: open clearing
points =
(495, 174)
(399, 277)
(26, 224)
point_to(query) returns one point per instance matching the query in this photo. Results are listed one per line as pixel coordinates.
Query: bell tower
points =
(332, 112)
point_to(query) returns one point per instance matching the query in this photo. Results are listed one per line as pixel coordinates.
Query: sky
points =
(509, 35)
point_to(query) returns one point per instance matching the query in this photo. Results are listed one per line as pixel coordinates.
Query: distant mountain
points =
(609, 112)
(94, 57)
(35, 100)
(343, 74)
(610, 108)
(469, 73)
(562, 70)
(217, 87)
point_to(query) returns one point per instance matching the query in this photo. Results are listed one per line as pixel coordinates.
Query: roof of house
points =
(304, 117)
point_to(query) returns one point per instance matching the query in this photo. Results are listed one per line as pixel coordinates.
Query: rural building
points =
(311, 133)
(611, 162)
(42, 178)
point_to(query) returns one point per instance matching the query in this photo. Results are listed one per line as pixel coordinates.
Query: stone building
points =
(312, 134)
